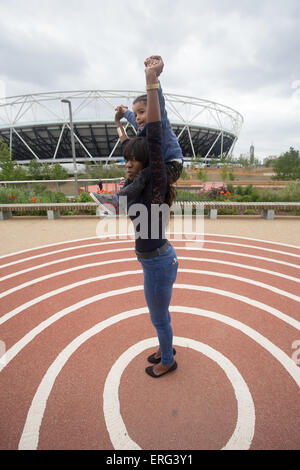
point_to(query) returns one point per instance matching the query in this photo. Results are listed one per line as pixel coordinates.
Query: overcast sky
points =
(243, 54)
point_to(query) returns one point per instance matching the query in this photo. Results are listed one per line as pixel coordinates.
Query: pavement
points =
(21, 233)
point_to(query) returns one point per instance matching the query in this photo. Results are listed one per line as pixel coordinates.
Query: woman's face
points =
(133, 167)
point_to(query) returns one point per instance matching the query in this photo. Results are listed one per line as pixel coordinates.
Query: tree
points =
(58, 172)
(9, 170)
(35, 170)
(287, 166)
(6, 163)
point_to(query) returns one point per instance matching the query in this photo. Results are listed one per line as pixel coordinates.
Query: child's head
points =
(139, 108)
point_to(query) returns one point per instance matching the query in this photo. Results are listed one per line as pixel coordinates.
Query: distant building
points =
(271, 157)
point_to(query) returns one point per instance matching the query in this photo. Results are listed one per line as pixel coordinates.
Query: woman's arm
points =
(154, 139)
(152, 86)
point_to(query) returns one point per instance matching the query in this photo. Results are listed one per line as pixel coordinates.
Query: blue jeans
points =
(159, 276)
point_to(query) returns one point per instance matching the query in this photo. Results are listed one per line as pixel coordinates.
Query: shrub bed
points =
(40, 194)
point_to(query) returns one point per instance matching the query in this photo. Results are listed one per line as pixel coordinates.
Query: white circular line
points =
(121, 260)
(103, 237)
(97, 253)
(30, 434)
(277, 313)
(243, 434)
(19, 345)
(78, 247)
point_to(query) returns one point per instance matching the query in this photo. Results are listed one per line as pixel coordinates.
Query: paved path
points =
(76, 335)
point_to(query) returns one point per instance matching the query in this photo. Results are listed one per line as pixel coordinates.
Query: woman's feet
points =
(160, 369)
(155, 358)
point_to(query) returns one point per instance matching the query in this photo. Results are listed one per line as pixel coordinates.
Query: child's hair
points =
(137, 148)
(142, 98)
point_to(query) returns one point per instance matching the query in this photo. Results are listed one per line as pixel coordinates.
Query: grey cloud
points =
(38, 58)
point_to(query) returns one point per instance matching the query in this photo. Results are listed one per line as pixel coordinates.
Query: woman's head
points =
(139, 108)
(136, 156)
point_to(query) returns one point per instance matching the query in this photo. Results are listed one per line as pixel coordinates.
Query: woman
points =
(155, 253)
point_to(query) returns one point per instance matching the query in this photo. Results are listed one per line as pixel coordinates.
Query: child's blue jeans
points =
(159, 276)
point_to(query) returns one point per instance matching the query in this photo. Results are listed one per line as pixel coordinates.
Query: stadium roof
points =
(38, 125)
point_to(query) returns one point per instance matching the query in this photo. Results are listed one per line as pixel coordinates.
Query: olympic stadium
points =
(38, 126)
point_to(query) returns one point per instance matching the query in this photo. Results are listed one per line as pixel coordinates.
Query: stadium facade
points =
(37, 126)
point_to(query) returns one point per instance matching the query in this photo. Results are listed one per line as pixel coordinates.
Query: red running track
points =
(75, 334)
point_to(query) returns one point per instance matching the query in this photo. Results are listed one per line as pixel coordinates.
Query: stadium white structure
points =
(38, 125)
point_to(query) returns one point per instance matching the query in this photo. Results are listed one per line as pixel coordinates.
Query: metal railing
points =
(53, 209)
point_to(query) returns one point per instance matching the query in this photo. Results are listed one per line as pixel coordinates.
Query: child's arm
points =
(127, 114)
(120, 129)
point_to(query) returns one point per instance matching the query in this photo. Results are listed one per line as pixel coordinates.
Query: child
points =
(170, 147)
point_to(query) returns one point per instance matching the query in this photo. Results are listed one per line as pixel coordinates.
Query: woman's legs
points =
(159, 277)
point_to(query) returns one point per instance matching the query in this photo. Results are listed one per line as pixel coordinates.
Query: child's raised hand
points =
(120, 111)
(155, 62)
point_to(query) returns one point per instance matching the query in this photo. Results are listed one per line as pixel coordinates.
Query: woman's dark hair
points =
(137, 148)
(142, 98)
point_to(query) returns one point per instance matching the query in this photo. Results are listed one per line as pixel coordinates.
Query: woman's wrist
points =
(151, 77)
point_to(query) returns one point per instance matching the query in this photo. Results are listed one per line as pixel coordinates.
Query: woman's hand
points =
(156, 63)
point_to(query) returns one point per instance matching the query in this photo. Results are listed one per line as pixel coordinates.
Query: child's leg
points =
(174, 170)
(134, 189)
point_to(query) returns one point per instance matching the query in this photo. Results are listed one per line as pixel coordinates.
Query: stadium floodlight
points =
(72, 143)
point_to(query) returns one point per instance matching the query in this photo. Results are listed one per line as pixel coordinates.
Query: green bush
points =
(105, 171)
(84, 197)
(50, 196)
(184, 175)
(15, 196)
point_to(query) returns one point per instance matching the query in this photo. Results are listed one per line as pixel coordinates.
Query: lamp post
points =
(72, 143)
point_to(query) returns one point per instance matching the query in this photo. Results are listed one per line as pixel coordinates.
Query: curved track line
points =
(95, 253)
(244, 430)
(30, 434)
(17, 347)
(120, 260)
(78, 247)
(103, 237)
(282, 316)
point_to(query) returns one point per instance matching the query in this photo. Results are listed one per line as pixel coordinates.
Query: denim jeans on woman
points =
(159, 276)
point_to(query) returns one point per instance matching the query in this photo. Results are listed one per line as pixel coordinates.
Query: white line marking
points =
(104, 237)
(78, 247)
(243, 434)
(97, 253)
(121, 260)
(30, 434)
(282, 316)
(17, 347)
